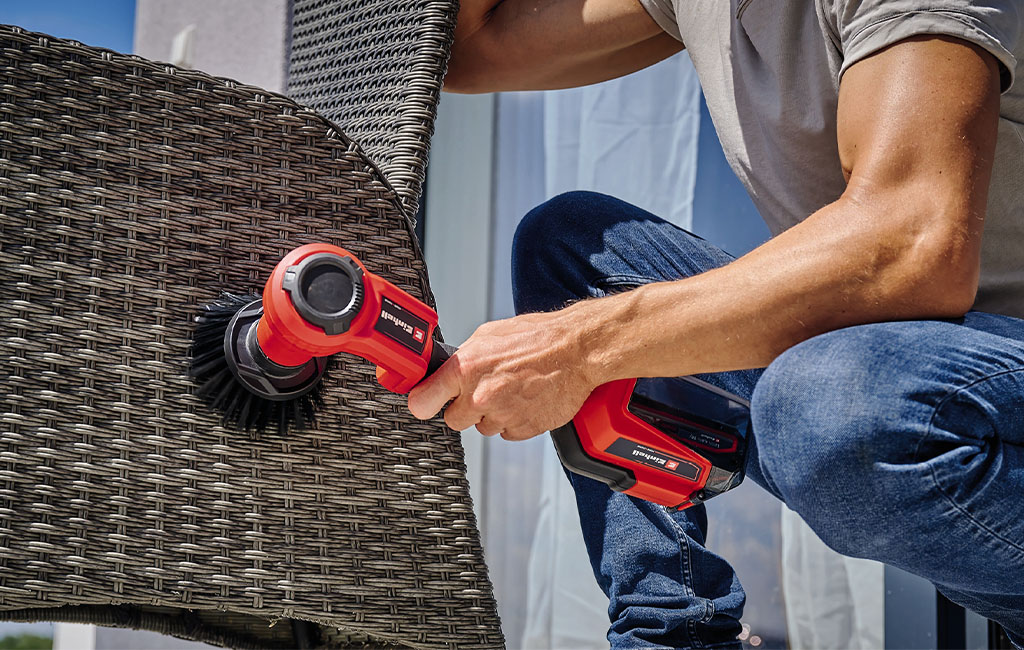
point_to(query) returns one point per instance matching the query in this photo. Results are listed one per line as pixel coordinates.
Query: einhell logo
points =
(406, 327)
(402, 326)
(658, 460)
(650, 457)
(637, 453)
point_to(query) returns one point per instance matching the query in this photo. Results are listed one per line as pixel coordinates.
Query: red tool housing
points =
(675, 441)
(374, 320)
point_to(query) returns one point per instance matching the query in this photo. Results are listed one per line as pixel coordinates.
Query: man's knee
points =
(835, 424)
(555, 216)
(583, 244)
(546, 249)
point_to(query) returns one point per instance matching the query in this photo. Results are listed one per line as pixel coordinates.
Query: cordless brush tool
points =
(262, 360)
(676, 441)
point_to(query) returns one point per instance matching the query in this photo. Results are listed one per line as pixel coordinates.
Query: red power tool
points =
(261, 361)
(673, 441)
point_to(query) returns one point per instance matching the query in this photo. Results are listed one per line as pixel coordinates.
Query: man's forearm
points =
(851, 262)
(843, 266)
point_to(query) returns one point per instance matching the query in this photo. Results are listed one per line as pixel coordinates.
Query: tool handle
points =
(440, 353)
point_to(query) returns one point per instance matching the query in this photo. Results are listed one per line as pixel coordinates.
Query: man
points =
(879, 139)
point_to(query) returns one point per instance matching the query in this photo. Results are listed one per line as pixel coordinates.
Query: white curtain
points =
(634, 138)
(832, 601)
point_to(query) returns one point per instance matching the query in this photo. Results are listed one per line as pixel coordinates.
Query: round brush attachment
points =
(261, 361)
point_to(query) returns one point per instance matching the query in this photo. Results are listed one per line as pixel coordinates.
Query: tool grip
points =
(439, 353)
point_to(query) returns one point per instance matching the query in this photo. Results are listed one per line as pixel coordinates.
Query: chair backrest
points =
(132, 193)
(375, 69)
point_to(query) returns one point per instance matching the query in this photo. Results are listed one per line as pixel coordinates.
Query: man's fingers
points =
(430, 395)
(460, 415)
(487, 427)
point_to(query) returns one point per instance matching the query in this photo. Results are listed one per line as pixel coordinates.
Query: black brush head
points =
(235, 378)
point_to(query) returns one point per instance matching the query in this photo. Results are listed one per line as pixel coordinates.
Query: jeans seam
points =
(935, 479)
(686, 568)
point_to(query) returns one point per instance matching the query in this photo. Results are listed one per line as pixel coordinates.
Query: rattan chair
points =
(132, 193)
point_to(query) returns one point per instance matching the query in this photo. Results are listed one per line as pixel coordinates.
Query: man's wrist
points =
(607, 333)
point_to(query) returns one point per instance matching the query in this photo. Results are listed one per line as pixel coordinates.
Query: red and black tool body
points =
(320, 300)
(675, 441)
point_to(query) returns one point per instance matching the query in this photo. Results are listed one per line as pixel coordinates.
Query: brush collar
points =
(256, 371)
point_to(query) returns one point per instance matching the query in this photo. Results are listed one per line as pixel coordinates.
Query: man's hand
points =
(518, 377)
(546, 44)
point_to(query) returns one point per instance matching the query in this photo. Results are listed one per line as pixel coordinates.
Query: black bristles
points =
(220, 388)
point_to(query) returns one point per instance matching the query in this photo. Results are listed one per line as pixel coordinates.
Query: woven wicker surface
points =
(375, 68)
(207, 626)
(132, 193)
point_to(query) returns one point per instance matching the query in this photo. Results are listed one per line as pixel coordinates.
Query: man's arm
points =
(917, 132)
(547, 44)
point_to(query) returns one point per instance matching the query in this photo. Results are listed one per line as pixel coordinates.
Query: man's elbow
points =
(949, 297)
(466, 77)
(943, 269)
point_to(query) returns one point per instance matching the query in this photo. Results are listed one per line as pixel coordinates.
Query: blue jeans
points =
(901, 442)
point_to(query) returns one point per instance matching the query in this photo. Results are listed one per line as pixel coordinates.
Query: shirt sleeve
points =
(867, 26)
(664, 14)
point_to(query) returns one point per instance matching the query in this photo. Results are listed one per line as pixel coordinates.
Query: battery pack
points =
(675, 441)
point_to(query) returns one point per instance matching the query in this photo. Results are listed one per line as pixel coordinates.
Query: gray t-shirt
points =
(770, 70)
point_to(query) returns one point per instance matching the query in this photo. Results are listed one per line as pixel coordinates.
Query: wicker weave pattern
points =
(375, 68)
(131, 193)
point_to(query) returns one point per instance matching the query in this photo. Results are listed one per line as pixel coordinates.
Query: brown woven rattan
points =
(375, 69)
(132, 193)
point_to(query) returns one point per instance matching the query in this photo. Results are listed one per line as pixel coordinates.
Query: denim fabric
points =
(901, 442)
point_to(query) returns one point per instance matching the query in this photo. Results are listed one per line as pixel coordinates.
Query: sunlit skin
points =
(548, 44)
(916, 135)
